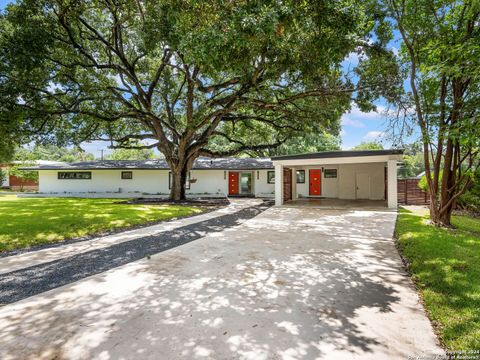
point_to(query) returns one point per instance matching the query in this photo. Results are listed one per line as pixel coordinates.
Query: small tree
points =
(23, 175)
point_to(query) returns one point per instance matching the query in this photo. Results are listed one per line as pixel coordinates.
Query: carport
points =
(366, 175)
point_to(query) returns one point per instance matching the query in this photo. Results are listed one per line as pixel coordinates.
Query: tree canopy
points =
(412, 163)
(373, 145)
(194, 78)
(131, 154)
(53, 153)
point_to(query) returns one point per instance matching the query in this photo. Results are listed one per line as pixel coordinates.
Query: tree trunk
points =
(177, 189)
(179, 170)
(441, 219)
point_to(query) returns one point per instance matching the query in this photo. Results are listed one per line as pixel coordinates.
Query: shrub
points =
(423, 184)
(471, 199)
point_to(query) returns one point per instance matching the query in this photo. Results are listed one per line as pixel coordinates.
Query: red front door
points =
(315, 176)
(233, 183)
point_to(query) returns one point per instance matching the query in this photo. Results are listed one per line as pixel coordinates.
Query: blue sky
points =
(357, 126)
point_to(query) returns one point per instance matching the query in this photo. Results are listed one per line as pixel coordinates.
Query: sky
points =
(356, 126)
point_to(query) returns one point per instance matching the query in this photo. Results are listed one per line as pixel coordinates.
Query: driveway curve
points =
(290, 283)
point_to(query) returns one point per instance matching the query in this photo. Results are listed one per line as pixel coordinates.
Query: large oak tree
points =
(189, 78)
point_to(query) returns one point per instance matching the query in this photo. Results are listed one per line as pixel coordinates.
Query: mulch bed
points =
(466, 212)
(221, 201)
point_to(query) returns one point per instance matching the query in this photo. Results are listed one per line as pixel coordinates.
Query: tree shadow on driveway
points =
(265, 289)
(19, 284)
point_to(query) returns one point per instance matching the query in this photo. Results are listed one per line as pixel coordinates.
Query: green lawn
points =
(25, 222)
(445, 264)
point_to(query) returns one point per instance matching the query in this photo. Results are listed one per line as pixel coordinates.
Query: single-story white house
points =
(364, 174)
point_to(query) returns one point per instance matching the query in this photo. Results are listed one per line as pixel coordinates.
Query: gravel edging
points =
(23, 283)
(3, 254)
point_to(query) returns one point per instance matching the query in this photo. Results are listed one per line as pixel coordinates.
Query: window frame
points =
(296, 176)
(268, 177)
(329, 176)
(127, 178)
(59, 177)
(187, 181)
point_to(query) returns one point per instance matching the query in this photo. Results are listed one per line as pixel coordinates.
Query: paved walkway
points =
(289, 283)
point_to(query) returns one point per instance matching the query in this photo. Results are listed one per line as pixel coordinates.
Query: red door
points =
(315, 176)
(233, 183)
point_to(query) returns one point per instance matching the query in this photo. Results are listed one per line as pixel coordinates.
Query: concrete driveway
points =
(290, 283)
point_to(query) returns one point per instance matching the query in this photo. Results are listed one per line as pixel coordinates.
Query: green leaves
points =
(186, 73)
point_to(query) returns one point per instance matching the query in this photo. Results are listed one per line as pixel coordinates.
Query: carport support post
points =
(392, 184)
(278, 185)
(294, 183)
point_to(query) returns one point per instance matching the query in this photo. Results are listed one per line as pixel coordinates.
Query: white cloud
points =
(371, 115)
(374, 135)
(356, 118)
(52, 87)
(395, 50)
(346, 121)
(343, 132)
(356, 115)
(352, 59)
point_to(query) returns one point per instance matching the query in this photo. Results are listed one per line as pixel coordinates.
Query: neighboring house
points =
(365, 174)
(419, 176)
(14, 183)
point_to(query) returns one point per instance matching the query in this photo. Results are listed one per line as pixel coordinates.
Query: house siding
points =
(211, 182)
(344, 186)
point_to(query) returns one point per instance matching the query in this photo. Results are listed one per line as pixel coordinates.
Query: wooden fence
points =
(410, 194)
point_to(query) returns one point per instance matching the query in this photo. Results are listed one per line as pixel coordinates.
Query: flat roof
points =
(339, 154)
(201, 163)
(206, 163)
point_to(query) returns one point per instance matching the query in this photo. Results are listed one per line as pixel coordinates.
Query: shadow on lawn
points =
(27, 223)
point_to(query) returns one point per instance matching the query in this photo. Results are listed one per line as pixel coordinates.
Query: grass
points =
(26, 222)
(445, 265)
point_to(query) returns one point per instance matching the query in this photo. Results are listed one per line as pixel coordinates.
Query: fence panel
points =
(410, 194)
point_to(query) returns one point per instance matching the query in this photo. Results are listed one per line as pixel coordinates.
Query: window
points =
(187, 181)
(330, 173)
(271, 177)
(127, 175)
(300, 176)
(75, 175)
